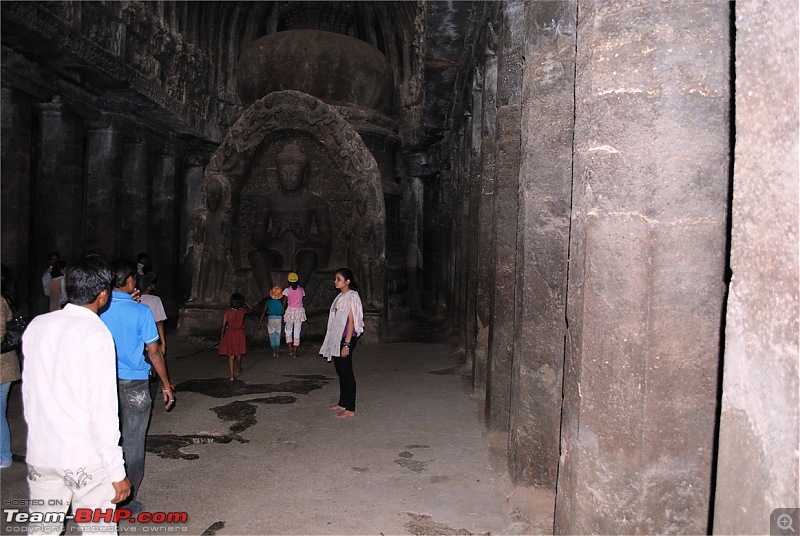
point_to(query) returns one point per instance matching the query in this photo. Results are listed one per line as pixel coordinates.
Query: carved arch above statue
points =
(304, 115)
(293, 110)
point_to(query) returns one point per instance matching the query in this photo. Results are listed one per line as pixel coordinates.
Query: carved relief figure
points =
(211, 235)
(292, 230)
(364, 240)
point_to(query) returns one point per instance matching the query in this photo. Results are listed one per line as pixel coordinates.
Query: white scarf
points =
(337, 320)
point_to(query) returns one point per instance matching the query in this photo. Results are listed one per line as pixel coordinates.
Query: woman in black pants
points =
(345, 326)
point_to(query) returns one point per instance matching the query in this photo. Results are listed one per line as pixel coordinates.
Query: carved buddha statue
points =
(292, 230)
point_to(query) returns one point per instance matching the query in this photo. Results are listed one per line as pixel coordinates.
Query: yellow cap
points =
(292, 277)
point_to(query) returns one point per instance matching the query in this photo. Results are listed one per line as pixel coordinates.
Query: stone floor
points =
(264, 455)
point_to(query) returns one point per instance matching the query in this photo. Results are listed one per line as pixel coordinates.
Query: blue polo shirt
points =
(132, 326)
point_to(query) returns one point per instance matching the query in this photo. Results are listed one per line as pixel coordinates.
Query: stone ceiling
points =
(173, 64)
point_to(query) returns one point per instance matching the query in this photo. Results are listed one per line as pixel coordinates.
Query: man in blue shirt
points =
(134, 329)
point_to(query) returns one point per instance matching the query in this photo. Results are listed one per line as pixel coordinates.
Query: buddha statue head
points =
(291, 164)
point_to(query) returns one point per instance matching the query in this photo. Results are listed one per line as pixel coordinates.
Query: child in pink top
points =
(295, 313)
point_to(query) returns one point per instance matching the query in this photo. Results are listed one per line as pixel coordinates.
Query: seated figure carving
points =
(292, 230)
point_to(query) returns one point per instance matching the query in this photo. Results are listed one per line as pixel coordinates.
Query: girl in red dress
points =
(233, 339)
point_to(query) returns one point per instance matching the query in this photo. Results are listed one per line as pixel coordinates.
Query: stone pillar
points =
(133, 199)
(543, 240)
(191, 184)
(647, 267)
(504, 244)
(758, 441)
(431, 238)
(15, 160)
(483, 292)
(103, 178)
(58, 185)
(439, 223)
(163, 236)
(473, 224)
(457, 289)
(413, 199)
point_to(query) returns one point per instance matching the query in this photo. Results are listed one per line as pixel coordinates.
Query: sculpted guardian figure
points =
(364, 237)
(211, 238)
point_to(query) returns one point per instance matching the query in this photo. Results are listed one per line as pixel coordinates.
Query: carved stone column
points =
(103, 177)
(163, 236)
(543, 241)
(16, 198)
(413, 197)
(758, 468)
(486, 217)
(191, 185)
(473, 223)
(457, 289)
(133, 199)
(504, 244)
(647, 267)
(58, 187)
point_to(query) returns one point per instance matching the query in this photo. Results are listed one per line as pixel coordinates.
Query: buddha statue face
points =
(291, 165)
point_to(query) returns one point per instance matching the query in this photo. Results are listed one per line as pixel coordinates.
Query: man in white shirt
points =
(142, 260)
(69, 391)
(146, 286)
(46, 277)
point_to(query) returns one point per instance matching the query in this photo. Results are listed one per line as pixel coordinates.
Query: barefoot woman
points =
(345, 325)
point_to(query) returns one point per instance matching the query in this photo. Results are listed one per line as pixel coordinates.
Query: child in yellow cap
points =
(273, 308)
(295, 313)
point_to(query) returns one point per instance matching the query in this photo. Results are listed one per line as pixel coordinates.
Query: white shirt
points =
(337, 322)
(69, 390)
(46, 281)
(155, 305)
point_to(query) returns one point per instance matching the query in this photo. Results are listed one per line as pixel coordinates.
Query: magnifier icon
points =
(785, 522)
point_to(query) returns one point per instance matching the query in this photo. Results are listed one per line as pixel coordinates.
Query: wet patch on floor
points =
(169, 445)
(406, 462)
(422, 525)
(213, 528)
(309, 377)
(361, 470)
(453, 483)
(190, 354)
(225, 388)
(243, 412)
(449, 371)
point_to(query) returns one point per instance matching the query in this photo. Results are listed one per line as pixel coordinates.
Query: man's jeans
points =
(5, 433)
(134, 416)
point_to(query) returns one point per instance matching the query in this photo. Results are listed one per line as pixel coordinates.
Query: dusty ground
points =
(263, 454)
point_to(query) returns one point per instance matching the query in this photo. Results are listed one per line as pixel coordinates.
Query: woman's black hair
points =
(121, 270)
(8, 285)
(58, 268)
(348, 275)
(237, 300)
